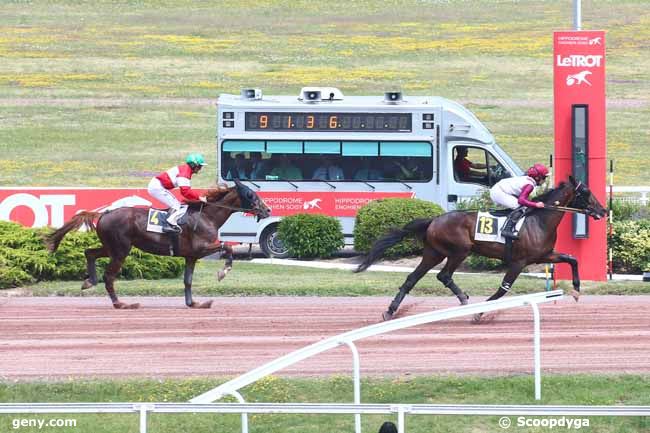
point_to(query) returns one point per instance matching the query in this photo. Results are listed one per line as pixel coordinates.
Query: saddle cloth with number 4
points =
(488, 227)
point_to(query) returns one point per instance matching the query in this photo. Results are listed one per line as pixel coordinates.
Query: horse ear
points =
(572, 180)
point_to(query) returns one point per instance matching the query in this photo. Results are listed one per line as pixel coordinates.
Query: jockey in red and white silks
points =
(514, 193)
(176, 177)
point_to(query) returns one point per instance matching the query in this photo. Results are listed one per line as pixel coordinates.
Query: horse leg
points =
(506, 284)
(92, 254)
(227, 267)
(566, 258)
(430, 258)
(110, 274)
(445, 274)
(187, 279)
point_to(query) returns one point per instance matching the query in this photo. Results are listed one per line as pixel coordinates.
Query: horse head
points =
(250, 201)
(584, 199)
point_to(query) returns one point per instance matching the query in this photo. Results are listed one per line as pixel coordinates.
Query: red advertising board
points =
(579, 79)
(40, 207)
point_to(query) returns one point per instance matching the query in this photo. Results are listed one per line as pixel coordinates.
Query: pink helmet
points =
(537, 170)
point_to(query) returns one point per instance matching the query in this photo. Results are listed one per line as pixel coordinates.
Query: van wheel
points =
(271, 245)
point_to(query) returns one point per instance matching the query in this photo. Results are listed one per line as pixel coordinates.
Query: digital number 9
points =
(310, 122)
(333, 123)
(264, 121)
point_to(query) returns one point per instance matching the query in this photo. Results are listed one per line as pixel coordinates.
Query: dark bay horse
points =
(123, 228)
(451, 236)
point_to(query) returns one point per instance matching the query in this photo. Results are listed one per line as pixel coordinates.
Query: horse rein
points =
(225, 206)
(570, 209)
(565, 209)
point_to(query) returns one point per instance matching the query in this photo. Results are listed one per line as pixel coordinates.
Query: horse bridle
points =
(579, 190)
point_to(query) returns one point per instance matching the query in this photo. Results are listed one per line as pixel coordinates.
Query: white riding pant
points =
(504, 199)
(176, 209)
(163, 195)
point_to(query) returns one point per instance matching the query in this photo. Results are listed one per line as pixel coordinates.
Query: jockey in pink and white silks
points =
(176, 177)
(513, 193)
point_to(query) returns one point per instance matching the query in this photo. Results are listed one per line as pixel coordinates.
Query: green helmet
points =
(195, 159)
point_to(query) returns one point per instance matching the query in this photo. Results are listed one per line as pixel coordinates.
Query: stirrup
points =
(171, 229)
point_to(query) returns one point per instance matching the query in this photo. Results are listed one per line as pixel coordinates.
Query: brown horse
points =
(123, 228)
(451, 236)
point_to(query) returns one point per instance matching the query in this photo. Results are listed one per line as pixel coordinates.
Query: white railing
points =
(232, 387)
(203, 403)
(399, 410)
(636, 194)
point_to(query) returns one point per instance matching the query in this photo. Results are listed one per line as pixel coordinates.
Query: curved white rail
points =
(382, 328)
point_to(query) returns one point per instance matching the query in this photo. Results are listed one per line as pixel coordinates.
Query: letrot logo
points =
(312, 204)
(578, 79)
(596, 41)
(579, 61)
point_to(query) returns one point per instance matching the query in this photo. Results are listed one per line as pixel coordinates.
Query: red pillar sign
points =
(580, 143)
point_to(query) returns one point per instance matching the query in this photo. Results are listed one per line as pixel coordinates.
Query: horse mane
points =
(212, 195)
(548, 194)
(217, 193)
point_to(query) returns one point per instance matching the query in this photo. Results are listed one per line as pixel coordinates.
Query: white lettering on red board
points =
(579, 61)
(39, 206)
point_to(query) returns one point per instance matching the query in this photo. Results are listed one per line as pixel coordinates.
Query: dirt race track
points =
(84, 337)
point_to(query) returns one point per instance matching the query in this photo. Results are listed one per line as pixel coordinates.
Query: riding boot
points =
(172, 226)
(508, 230)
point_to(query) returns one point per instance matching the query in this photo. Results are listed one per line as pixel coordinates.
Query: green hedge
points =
(308, 236)
(631, 246)
(379, 216)
(24, 259)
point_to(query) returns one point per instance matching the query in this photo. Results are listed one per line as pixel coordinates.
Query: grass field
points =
(104, 93)
(249, 279)
(557, 390)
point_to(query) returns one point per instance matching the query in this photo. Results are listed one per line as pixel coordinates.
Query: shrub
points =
(379, 216)
(310, 235)
(481, 263)
(625, 211)
(24, 259)
(481, 202)
(631, 245)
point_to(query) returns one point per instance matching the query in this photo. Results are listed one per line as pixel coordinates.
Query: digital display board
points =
(328, 122)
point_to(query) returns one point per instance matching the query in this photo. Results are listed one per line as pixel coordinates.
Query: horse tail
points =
(53, 239)
(417, 228)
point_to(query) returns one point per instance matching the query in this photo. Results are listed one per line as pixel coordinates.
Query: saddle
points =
(489, 225)
(157, 219)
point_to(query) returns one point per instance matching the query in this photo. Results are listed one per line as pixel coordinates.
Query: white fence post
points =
(537, 351)
(356, 374)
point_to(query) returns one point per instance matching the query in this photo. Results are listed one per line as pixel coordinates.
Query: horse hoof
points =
(206, 304)
(221, 275)
(477, 318)
(122, 306)
(575, 294)
(387, 315)
(86, 284)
